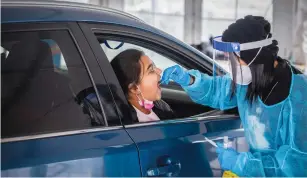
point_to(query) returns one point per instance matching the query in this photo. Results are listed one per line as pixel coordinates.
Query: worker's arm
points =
(211, 91)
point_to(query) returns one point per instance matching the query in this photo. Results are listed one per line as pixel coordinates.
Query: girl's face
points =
(149, 80)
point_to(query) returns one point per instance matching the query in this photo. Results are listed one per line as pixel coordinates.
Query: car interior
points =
(38, 86)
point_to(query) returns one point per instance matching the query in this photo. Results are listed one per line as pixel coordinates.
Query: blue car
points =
(64, 113)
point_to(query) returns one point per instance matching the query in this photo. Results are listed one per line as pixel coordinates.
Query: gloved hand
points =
(227, 157)
(177, 74)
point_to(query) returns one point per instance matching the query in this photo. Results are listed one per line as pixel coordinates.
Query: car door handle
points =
(166, 167)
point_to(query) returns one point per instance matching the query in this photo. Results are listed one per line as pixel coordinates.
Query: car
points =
(65, 114)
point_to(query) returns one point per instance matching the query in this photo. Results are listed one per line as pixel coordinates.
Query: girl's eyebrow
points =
(150, 66)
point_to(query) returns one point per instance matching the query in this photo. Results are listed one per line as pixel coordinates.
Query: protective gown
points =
(276, 134)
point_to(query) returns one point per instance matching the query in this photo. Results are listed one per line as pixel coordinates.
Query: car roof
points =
(14, 11)
(44, 11)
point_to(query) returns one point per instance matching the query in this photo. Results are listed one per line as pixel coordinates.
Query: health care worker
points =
(270, 95)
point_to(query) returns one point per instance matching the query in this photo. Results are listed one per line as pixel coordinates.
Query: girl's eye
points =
(152, 70)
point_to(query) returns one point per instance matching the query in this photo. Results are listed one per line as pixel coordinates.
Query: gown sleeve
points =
(211, 91)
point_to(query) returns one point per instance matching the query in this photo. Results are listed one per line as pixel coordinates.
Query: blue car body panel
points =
(184, 143)
(107, 153)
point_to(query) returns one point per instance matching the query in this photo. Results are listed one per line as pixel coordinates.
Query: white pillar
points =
(283, 25)
(192, 21)
(300, 35)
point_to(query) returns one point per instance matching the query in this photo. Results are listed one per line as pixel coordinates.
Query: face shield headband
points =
(234, 47)
(239, 73)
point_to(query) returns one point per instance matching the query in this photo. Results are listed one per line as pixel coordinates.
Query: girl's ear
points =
(275, 63)
(133, 88)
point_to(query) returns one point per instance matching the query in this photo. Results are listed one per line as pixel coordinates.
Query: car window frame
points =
(89, 29)
(147, 46)
(113, 38)
(87, 58)
(195, 61)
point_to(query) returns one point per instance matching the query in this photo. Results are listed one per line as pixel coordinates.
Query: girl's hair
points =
(127, 68)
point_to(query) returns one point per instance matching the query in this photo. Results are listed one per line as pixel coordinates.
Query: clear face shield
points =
(228, 55)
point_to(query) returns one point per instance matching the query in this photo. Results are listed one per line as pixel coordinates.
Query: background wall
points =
(196, 21)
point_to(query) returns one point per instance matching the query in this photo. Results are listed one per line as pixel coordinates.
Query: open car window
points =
(172, 94)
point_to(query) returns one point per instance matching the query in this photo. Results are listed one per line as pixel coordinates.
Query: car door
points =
(53, 123)
(174, 147)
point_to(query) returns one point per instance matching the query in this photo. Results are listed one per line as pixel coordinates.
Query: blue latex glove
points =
(177, 74)
(227, 157)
